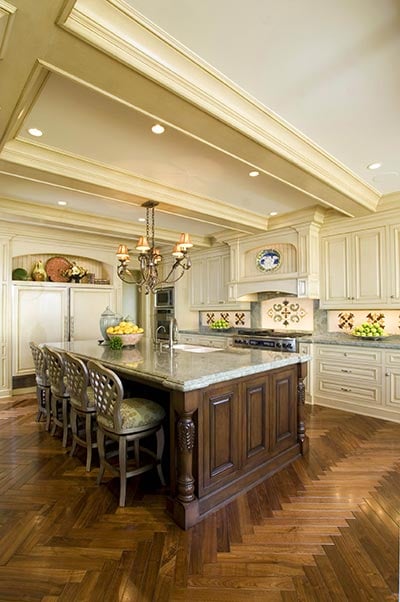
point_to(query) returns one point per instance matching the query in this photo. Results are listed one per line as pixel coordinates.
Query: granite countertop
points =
(341, 338)
(182, 370)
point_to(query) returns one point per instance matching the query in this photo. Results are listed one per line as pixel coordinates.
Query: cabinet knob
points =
(387, 373)
(345, 370)
(392, 296)
(345, 389)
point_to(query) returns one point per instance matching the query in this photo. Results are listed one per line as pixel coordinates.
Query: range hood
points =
(286, 287)
(249, 290)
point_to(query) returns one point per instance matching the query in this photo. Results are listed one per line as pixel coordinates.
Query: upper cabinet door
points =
(368, 264)
(335, 272)
(352, 269)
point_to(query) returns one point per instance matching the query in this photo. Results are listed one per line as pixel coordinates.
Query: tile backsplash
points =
(345, 320)
(237, 319)
(288, 313)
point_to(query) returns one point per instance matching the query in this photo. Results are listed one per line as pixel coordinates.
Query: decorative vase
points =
(76, 279)
(38, 272)
(108, 318)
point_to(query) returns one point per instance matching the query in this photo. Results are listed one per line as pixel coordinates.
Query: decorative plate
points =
(55, 267)
(19, 274)
(268, 260)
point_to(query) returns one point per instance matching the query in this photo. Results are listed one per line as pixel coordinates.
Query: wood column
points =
(301, 395)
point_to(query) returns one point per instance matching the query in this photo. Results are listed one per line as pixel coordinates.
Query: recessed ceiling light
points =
(141, 219)
(254, 173)
(374, 165)
(158, 129)
(62, 203)
(35, 132)
(274, 213)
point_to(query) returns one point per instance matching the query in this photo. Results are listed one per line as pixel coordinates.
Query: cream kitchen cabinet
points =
(392, 380)
(209, 279)
(50, 312)
(364, 380)
(353, 269)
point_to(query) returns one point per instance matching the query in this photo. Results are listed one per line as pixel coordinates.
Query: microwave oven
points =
(165, 297)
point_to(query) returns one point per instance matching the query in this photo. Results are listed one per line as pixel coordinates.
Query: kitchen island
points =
(236, 416)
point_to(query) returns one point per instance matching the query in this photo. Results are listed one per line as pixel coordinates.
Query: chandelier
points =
(150, 258)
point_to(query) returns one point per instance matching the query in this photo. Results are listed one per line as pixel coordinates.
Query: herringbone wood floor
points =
(324, 529)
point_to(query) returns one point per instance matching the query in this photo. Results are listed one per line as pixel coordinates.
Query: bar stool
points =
(43, 392)
(82, 405)
(125, 420)
(59, 392)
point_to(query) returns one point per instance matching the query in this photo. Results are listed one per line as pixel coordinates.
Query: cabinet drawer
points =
(348, 372)
(348, 353)
(362, 395)
(392, 357)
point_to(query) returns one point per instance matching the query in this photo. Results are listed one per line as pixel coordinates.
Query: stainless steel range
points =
(268, 339)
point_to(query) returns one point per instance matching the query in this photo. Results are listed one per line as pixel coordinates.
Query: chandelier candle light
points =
(149, 258)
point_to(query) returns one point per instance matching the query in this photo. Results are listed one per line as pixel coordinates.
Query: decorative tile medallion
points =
(286, 313)
(346, 321)
(376, 318)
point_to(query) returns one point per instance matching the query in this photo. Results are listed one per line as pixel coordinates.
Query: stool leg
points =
(100, 447)
(48, 408)
(54, 412)
(160, 449)
(88, 438)
(65, 422)
(39, 401)
(122, 471)
(74, 429)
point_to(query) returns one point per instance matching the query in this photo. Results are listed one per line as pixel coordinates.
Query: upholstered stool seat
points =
(124, 421)
(136, 414)
(82, 406)
(43, 392)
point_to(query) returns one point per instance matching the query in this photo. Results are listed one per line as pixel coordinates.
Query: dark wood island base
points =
(236, 416)
(228, 437)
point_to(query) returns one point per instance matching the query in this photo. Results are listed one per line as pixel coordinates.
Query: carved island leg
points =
(184, 505)
(185, 430)
(301, 395)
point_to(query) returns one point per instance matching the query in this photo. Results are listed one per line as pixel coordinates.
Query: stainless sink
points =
(194, 348)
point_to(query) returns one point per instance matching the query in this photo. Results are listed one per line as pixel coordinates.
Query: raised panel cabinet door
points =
(369, 266)
(335, 270)
(257, 420)
(284, 409)
(393, 389)
(39, 315)
(198, 276)
(394, 262)
(215, 284)
(221, 444)
(86, 307)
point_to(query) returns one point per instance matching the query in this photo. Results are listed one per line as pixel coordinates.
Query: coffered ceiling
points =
(305, 94)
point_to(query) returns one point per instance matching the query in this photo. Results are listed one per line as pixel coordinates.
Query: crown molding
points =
(21, 212)
(123, 33)
(7, 14)
(44, 158)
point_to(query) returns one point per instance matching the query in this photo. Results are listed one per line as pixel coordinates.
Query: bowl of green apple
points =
(220, 325)
(369, 331)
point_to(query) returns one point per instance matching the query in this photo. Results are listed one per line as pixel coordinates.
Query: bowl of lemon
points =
(128, 332)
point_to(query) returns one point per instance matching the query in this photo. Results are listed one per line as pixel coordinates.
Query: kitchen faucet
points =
(156, 340)
(173, 332)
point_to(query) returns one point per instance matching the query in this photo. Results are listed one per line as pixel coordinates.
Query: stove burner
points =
(267, 339)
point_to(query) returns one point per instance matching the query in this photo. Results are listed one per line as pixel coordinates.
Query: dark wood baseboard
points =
(23, 382)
